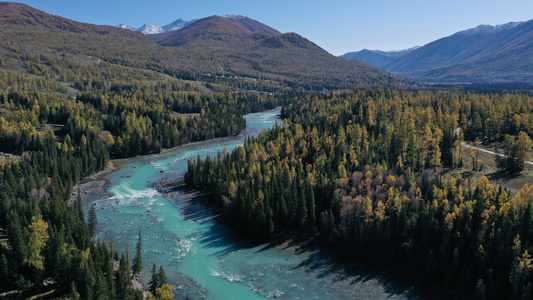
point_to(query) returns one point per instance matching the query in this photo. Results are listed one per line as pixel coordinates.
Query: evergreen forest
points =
(361, 172)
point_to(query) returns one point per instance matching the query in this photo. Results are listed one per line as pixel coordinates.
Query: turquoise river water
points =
(205, 258)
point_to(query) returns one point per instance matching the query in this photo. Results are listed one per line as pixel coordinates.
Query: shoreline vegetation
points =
(95, 187)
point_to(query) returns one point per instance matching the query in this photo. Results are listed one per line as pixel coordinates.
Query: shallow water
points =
(205, 258)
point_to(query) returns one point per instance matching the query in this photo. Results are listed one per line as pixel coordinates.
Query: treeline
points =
(127, 123)
(356, 170)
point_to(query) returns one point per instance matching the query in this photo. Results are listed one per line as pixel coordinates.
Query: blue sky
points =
(338, 26)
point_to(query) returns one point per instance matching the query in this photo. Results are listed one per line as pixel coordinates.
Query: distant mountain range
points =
(153, 29)
(176, 25)
(485, 53)
(376, 58)
(213, 49)
(445, 51)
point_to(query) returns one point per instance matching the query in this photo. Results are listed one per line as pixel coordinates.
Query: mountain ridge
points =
(482, 54)
(502, 57)
(17, 14)
(154, 29)
(442, 51)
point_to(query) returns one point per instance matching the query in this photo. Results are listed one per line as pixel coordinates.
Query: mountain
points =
(227, 52)
(252, 24)
(244, 46)
(445, 51)
(376, 58)
(30, 29)
(216, 30)
(504, 56)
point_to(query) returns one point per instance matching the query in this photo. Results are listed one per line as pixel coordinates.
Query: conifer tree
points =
(4, 268)
(137, 260)
(92, 222)
(79, 206)
(161, 277)
(154, 280)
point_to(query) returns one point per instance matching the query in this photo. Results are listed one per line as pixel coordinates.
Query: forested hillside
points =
(360, 171)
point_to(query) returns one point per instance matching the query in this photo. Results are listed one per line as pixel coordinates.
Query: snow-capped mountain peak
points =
(178, 24)
(153, 29)
(124, 26)
(150, 29)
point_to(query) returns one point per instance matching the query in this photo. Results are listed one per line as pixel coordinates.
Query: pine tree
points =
(124, 285)
(79, 205)
(163, 293)
(4, 268)
(92, 222)
(523, 148)
(161, 277)
(154, 281)
(137, 260)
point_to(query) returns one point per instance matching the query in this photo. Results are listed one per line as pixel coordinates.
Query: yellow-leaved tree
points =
(36, 242)
(162, 293)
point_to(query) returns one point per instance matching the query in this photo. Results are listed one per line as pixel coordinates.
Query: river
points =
(208, 260)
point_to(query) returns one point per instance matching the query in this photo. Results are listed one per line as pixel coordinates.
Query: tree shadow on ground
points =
(356, 275)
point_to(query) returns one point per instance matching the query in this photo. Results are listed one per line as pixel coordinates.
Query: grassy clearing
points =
(184, 116)
(487, 162)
